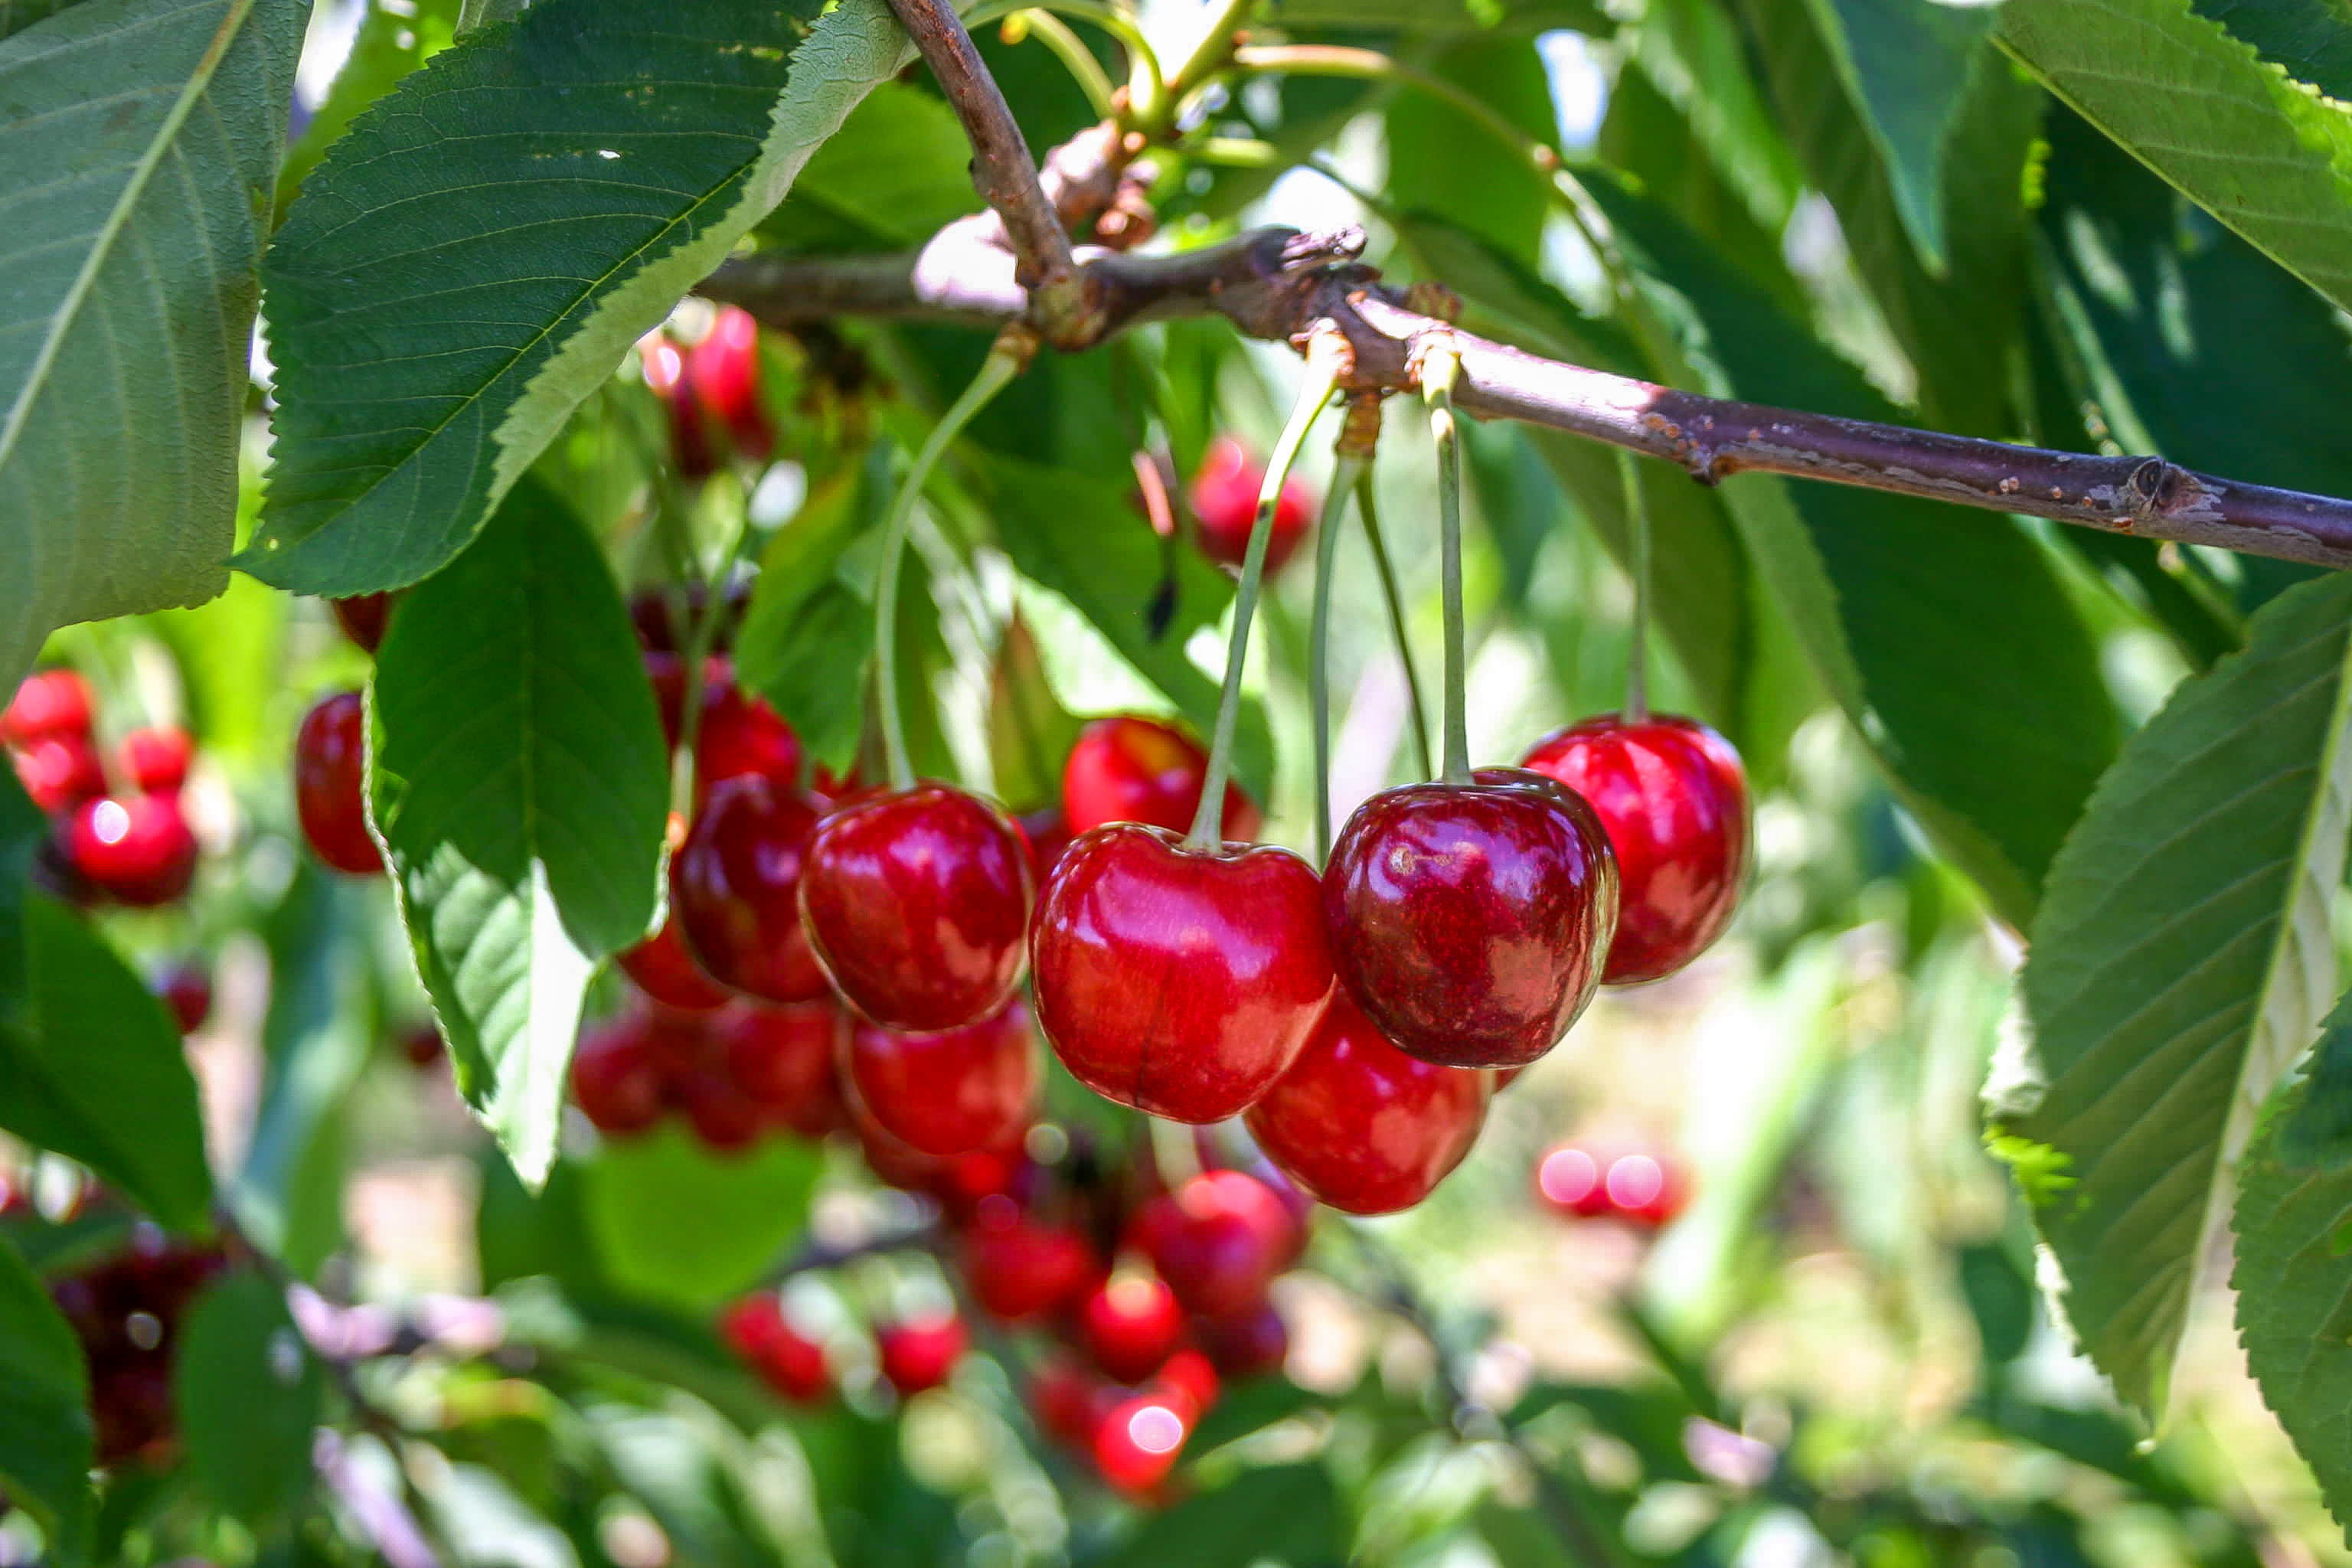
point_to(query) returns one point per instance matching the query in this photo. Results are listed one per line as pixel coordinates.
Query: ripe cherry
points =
(734, 890)
(920, 1353)
(1018, 1268)
(156, 761)
(1129, 769)
(1129, 1326)
(1361, 1124)
(186, 989)
(1220, 1237)
(1047, 833)
(1176, 980)
(951, 1090)
(1138, 1443)
(739, 734)
(723, 373)
(54, 702)
(421, 1046)
(61, 772)
(1673, 799)
(782, 1060)
(1224, 500)
(1190, 1379)
(787, 1361)
(666, 972)
(1642, 1189)
(1069, 1401)
(1470, 922)
(616, 1078)
(724, 1121)
(1251, 1343)
(916, 904)
(331, 784)
(363, 618)
(137, 850)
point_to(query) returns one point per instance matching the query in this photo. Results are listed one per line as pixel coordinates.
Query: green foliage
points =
(45, 1424)
(808, 633)
(249, 1395)
(2179, 964)
(137, 134)
(389, 44)
(896, 173)
(1281, 1515)
(22, 828)
(674, 1223)
(1493, 192)
(520, 788)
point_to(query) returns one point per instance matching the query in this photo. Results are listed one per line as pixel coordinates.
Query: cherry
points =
(1224, 500)
(54, 702)
(723, 1120)
(616, 1078)
(1673, 798)
(1642, 1189)
(787, 1361)
(921, 1353)
(1129, 769)
(156, 761)
(137, 850)
(781, 1059)
(1251, 1343)
(1129, 1326)
(723, 373)
(742, 734)
(734, 890)
(1047, 833)
(61, 772)
(916, 904)
(331, 784)
(1019, 1268)
(1190, 1377)
(1470, 922)
(1363, 1126)
(1069, 1402)
(1137, 1442)
(421, 1046)
(664, 365)
(363, 618)
(1176, 980)
(666, 972)
(1647, 1190)
(951, 1090)
(186, 989)
(1220, 1237)
(649, 611)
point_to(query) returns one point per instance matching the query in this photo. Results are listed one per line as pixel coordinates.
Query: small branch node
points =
(1431, 298)
(1360, 432)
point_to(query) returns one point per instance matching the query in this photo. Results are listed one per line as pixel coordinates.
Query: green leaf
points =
(1278, 1516)
(1444, 161)
(2311, 38)
(439, 306)
(677, 1224)
(520, 786)
(23, 831)
(2180, 962)
(808, 633)
(1446, 16)
(389, 44)
(46, 1440)
(249, 1394)
(1030, 734)
(2266, 155)
(15, 16)
(138, 133)
(899, 170)
(1690, 52)
(96, 1072)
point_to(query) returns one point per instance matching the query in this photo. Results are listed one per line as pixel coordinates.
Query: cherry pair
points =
(133, 846)
(1643, 1188)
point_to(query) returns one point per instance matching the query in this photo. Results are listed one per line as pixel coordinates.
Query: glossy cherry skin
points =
(734, 890)
(186, 989)
(916, 904)
(54, 702)
(947, 1091)
(1139, 1441)
(1220, 1237)
(1127, 769)
(331, 784)
(787, 1361)
(1225, 502)
(723, 373)
(1047, 833)
(615, 1078)
(1470, 922)
(1019, 1269)
(1190, 1378)
(1251, 1343)
(1672, 797)
(1130, 1326)
(919, 1353)
(1070, 1400)
(781, 1059)
(137, 850)
(739, 734)
(1178, 981)
(1644, 1189)
(61, 772)
(156, 761)
(1363, 1126)
(666, 972)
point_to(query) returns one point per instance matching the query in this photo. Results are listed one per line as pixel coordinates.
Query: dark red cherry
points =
(921, 1353)
(1068, 1400)
(331, 784)
(742, 734)
(1047, 833)
(616, 1080)
(783, 1060)
(363, 618)
(949, 1091)
(916, 904)
(156, 761)
(724, 1121)
(1673, 799)
(734, 890)
(61, 772)
(1219, 1237)
(664, 365)
(1250, 1343)
(650, 611)
(421, 1046)
(1472, 921)
(1018, 1268)
(723, 373)
(1363, 1126)
(1129, 1326)
(186, 989)
(1225, 501)
(666, 972)
(1126, 769)
(787, 1361)
(1178, 981)
(1139, 1441)
(54, 702)
(137, 850)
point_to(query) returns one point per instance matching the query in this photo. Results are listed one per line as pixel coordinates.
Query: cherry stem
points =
(1367, 509)
(1345, 472)
(1637, 646)
(1323, 357)
(1004, 361)
(1440, 365)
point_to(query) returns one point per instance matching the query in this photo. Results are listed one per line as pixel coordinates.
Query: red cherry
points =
(1188, 1378)
(54, 702)
(156, 761)
(741, 734)
(137, 850)
(1647, 1190)
(951, 1090)
(1069, 1401)
(616, 1077)
(363, 618)
(789, 1363)
(666, 972)
(187, 990)
(723, 373)
(331, 784)
(1363, 1126)
(1472, 921)
(1219, 1237)
(1047, 833)
(1224, 500)
(650, 613)
(1673, 798)
(724, 1121)
(919, 1353)
(664, 364)
(734, 890)
(61, 772)
(1019, 1268)
(916, 904)
(1127, 769)
(1138, 1443)
(1178, 981)
(781, 1059)
(1251, 1343)
(1129, 1326)
(422, 1045)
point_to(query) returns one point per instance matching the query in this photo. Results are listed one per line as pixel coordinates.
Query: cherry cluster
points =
(1645, 1188)
(126, 1310)
(118, 832)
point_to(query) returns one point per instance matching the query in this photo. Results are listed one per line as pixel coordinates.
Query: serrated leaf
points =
(439, 305)
(249, 1394)
(519, 785)
(140, 140)
(2180, 962)
(95, 1072)
(674, 1223)
(2311, 38)
(388, 45)
(899, 170)
(46, 1440)
(2256, 149)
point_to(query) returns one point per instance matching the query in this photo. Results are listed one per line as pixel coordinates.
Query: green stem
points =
(1369, 510)
(1637, 646)
(1345, 473)
(1322, 377)
(1107, 18)
(1209, 57)
(1001, 366)
(1440, 366)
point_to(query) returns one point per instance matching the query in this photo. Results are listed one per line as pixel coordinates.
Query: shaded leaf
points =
(898, 170)
(2312, 38)
(674, 1222)
(1444, 161)
(249, 1393)
(1285, 1515)
(23, 831)
(46, 1440)
(1030, 734)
